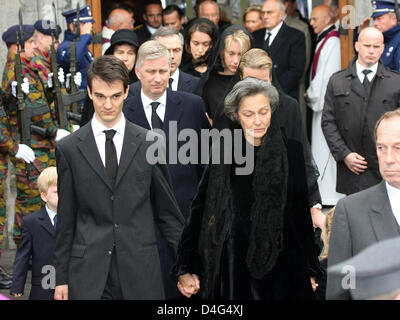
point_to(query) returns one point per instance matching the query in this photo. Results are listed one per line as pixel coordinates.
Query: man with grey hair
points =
(370, 216)
(172, 39)
(285, 45)
(154, 106)
(120, 17)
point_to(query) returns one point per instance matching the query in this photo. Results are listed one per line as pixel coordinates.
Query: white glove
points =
(61, 133)
(61, 76)
(24, 87)
(78, 79)
(25, 153)
(76, 127)
(50, 80)
(67, 84)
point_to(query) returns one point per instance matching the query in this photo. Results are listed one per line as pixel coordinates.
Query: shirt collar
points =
(360, 69)
(50, 212)
(392, 191)
(151, 29)
(98, 127)
(274, 31)
(175, 76)
(146, 100)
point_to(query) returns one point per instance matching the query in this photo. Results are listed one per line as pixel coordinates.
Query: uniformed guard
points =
(33, 154)
(386, 21)
(83, 55)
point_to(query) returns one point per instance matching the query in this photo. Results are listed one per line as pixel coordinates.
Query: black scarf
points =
(267, 211)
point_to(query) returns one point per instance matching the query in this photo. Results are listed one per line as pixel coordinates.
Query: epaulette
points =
(138, 27)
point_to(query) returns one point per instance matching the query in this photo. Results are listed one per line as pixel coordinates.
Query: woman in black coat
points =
(250, 236)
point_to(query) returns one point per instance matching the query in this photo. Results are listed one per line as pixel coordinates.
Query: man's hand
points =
(318, 218)
(17, 295)
(364, 24)
(314, 285)
(86, 28)
(188, 284)
(61, 292)
(25, 153)
(306, 98)
(355, 163)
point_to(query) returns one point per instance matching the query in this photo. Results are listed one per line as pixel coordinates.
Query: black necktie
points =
(55, 221)
(267, 40)
(170, 83)
(366, 82)
(111, 156)
(156, 122)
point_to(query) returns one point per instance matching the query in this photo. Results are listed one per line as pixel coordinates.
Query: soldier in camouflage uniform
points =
(28, 198)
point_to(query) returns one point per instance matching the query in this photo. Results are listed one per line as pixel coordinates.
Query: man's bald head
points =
(321, 17)
(120, 19)
(369, 46)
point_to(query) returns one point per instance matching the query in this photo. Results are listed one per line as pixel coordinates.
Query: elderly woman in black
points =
(251, 236)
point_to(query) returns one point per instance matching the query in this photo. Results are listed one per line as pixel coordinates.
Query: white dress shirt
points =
(100, 137)
(394, 199)
(51, 214)
(147, 107)
(274, 32)
(175, 78)
(151, 29)
(360, 69)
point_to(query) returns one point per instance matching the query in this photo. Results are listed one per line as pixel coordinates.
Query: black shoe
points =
(4, 274)
(5, 284)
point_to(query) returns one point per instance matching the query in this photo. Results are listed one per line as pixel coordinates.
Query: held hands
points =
(24, 87)
(25, 153)
(188, 284)
(355, 163)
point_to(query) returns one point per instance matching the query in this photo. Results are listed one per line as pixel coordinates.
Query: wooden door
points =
(95, 47)
(346, 34)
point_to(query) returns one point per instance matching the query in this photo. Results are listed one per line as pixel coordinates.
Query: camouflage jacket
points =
(36, 98)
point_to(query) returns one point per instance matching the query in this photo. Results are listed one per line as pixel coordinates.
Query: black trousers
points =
(112, 290)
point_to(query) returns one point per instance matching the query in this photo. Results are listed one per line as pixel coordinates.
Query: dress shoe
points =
(5, 284)
(4, 274)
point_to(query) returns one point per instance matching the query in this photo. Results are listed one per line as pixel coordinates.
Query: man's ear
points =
(357, 46)
(89, 92)
(137, 73)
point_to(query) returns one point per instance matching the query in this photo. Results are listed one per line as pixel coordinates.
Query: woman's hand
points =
(188, 284)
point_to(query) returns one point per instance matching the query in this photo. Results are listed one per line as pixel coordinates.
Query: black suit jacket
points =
(142, 33)
(288, 54)
(96, 220)
(187, 82)
(37, 242)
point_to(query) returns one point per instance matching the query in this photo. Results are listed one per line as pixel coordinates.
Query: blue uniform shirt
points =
(83, 55)
(391, 55)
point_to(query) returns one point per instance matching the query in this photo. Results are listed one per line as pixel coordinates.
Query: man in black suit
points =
(153, 106)
(110, 198)
(172, 39)
(285, 45)
(152, 16)
(37, 243)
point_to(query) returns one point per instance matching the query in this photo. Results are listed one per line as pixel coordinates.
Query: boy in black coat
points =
(38, 236)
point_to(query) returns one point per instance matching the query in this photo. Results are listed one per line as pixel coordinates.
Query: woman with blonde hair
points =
(222, 72)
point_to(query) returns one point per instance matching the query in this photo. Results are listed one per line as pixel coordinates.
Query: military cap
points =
(85, 15)
(45, 27)
(10, 35)
(382, 7)
(376, 269)
(122, 36)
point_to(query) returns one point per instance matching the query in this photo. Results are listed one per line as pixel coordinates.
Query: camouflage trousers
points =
(3, 176)
(28, 196)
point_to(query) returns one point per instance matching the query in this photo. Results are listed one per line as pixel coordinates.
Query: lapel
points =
(381, 215)
(87, 146)
(45, 222)
(183, 82)
(173, 110)
(129, 147)
(135, 107)
(279, 40)
(355, 84)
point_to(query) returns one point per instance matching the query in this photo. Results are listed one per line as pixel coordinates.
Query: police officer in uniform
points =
(83, 55)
